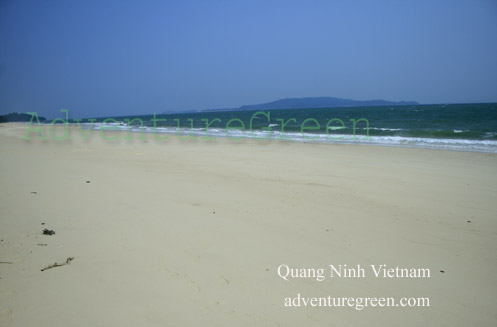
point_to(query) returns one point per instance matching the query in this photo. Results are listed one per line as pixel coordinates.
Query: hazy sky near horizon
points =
(108, 58)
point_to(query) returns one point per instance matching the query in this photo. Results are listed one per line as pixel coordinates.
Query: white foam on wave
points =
(384, 129)
(489, 146)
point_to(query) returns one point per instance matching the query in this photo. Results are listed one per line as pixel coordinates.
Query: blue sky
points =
(105, 58)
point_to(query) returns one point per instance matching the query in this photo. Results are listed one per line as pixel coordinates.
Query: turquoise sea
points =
(466, 127)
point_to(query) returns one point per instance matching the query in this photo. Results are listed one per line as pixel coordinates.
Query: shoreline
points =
(459, 145)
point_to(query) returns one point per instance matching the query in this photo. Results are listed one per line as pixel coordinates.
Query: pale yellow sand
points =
(191, 233)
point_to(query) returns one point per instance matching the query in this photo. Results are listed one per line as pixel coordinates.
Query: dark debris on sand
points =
(68, 261)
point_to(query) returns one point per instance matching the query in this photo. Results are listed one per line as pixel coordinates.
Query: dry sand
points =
(191, 233)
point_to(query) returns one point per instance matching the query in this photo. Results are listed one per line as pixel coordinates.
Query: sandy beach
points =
(195, 233)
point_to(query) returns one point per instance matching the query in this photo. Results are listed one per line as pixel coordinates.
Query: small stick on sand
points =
(68, 261)
(7, 262)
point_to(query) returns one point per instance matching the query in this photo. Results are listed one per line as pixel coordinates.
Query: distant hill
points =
(16, 117)
(322, 102)
(317, 102)
(305, 103)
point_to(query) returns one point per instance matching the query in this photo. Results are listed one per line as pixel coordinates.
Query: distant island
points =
(16, 117)
(317, 102)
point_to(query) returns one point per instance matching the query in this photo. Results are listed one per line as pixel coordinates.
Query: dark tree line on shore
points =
(16, 117)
